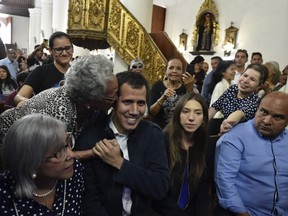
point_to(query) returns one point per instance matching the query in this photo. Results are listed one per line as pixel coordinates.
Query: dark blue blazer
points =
(146, 172)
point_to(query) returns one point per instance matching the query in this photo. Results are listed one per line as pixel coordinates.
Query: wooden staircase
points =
(167, 47)
(104, 23)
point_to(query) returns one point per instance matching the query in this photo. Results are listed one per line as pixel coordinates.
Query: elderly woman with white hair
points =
(90, 87)
(40, 175)
(137, 65)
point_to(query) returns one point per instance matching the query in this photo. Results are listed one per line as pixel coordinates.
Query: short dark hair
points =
(58, 34)
(135, 80)
(256, 53)
(217, 57)
(242, 50)
(197, 59)
(36, 46)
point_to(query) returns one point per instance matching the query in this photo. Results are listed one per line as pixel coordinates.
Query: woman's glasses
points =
(61, 154)
(59, 50)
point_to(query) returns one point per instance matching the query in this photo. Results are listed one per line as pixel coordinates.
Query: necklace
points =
(47, 193)
(174, 86)
(64, 201)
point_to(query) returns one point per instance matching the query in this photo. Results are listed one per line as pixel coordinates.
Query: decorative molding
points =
(104, 23)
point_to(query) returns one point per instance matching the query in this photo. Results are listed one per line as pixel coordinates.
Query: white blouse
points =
(219, 89)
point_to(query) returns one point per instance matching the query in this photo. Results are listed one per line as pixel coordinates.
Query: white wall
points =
(20, 31)
(262, 24)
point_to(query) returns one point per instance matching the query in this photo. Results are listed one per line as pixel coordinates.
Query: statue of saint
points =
(205, 30)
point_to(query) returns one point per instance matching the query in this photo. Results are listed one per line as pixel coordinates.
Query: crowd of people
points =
(86, 147)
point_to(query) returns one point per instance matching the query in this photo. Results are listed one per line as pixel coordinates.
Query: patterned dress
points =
(53, 102)
(67, 191)
(228, 103)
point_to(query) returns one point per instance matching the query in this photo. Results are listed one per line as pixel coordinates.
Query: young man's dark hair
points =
(136, 80)
(256, 53)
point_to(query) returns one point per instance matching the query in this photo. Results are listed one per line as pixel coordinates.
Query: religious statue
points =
(205, 32)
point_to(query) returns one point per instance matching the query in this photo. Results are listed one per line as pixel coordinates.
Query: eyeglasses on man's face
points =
(59, 50)
(61, 153)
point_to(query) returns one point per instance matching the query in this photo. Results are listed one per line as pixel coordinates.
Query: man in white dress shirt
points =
(241, 58)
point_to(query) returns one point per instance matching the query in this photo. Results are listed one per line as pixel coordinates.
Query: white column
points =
(60, 15)
(46, 19)
(34, 28)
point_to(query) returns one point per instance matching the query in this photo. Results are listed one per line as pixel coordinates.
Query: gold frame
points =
(231, 35)
(183, 40)
(207, 7)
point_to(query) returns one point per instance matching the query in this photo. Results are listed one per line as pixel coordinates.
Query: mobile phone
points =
(45, 41)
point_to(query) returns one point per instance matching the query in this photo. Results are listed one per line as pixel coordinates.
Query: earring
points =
(88, 106)
(33, 176)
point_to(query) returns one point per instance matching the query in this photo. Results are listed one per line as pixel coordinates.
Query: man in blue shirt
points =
(251, 162)
(11, 63)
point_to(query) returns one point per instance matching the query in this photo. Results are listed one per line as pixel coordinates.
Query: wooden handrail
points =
(167, 47)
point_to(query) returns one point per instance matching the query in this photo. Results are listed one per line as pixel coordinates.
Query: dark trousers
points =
(219, 211)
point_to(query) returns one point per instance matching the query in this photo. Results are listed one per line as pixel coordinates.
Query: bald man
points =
(251, 162)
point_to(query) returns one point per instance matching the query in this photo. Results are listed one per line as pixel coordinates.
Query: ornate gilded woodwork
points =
(95, 24)
(207, 7)
(87, 23)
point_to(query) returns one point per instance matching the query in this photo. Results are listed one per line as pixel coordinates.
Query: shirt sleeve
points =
(33, 79)
(227, 162)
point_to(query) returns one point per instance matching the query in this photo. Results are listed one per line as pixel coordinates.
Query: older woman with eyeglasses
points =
(90, 87)
(40, 175)
(48, 75)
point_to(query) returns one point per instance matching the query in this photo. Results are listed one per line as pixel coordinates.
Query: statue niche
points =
(206, 30)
